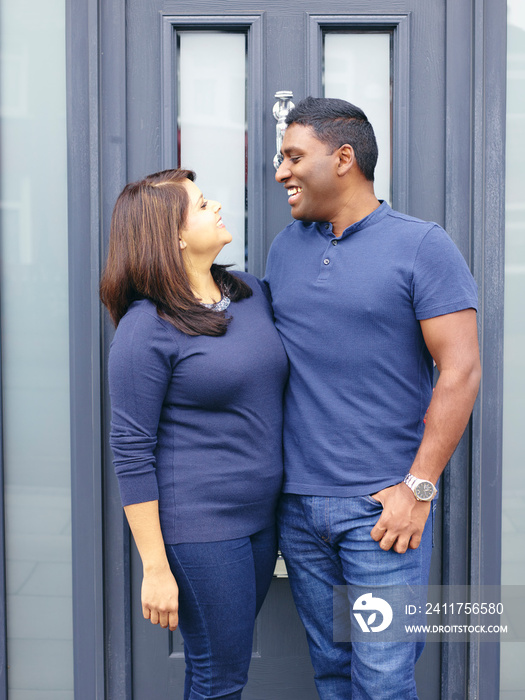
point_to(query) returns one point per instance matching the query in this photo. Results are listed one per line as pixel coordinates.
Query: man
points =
(365, 298)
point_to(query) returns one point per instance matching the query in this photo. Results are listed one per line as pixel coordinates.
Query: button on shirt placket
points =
(327, 259)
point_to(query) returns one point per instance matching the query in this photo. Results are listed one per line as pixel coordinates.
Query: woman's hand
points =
(160, 593)
(160, 598)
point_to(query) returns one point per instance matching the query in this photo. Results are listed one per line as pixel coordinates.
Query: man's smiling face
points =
(309, 174)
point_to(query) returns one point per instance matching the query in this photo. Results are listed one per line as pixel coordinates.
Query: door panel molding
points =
(399, 28)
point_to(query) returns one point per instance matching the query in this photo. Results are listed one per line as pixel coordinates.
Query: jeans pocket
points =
(373, 501)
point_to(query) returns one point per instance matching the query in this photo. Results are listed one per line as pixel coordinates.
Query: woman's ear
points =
(182, 244)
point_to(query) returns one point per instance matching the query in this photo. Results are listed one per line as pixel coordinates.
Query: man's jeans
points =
(326, 542)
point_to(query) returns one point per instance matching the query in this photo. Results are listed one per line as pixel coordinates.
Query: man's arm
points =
(452, 340)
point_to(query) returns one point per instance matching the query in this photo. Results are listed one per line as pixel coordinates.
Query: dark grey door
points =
(308, 47)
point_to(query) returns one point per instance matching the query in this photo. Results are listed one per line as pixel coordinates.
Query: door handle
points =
(280, 111)
(280, 567)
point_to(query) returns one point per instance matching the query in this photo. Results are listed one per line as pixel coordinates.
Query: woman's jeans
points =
(222, 586)
(326, 542)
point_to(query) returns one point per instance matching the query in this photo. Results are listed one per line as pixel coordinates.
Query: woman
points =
(196, 375)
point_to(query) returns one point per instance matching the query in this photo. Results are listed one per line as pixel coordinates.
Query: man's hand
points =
(402, 521)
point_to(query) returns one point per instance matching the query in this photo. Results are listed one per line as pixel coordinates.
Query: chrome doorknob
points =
(280, 111)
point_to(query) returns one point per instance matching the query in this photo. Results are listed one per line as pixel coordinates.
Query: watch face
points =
(424, 491)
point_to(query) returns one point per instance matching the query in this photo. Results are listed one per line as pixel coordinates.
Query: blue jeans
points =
(222, 586)
(326, 542)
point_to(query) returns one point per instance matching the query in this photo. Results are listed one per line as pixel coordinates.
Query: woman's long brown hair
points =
(145, 260)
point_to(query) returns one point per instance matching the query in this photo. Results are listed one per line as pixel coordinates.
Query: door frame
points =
(475, 200)
(252, 25)
(399, 27)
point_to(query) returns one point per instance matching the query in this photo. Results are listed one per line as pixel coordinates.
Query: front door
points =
(199, 87)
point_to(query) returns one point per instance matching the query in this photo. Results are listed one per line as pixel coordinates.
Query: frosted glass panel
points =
(212, 119)
(357, 69)
(512, 678)
(35, 361)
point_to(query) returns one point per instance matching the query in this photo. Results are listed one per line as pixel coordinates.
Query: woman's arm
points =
(140, 372)
(160, 593)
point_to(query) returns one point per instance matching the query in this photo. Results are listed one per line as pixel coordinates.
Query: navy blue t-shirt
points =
(348, 312)
(197, 420)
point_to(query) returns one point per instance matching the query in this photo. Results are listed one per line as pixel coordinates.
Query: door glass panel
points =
(212, 125)
(512, 678)
(35, 362)
(357, 69)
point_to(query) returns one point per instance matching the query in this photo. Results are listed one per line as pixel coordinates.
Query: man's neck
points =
(353, 211)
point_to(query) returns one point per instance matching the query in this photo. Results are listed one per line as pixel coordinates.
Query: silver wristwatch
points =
(422, 489)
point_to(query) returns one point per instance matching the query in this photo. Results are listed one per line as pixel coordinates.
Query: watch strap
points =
(412, 481)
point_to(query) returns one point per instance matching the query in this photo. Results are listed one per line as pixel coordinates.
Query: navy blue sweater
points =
(197, 420)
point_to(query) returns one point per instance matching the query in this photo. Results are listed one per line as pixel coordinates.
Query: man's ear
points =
(346, 159)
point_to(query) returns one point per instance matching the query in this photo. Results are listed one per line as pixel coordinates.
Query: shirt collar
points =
(372, 218)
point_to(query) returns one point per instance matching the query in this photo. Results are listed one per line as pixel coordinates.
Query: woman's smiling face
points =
(204, 233)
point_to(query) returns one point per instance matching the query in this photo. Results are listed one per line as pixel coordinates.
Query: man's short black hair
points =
(337, 122)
